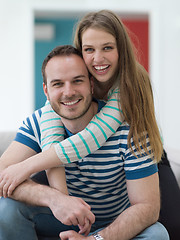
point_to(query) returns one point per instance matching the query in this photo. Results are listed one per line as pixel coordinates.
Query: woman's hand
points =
(11, 177)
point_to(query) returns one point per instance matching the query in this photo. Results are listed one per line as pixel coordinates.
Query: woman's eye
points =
(108, 48)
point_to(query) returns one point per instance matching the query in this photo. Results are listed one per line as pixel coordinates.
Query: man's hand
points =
(10, 178)
(72, 235)
(85, 230)
(72, 211)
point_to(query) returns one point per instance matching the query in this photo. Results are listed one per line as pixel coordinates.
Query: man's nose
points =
(68, 90)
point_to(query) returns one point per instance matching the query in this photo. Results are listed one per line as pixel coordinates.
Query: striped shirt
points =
(99, 178)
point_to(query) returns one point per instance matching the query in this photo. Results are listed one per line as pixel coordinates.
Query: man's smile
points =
(70, 103)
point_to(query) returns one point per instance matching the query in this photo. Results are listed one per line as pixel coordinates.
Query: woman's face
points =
(100, 54)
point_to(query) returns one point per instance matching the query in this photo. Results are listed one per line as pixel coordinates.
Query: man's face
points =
(68, 86)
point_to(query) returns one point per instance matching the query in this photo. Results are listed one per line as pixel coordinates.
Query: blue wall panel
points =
(64, 35)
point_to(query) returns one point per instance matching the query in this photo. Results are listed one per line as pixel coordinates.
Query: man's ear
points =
(45, 90)
(92, 85)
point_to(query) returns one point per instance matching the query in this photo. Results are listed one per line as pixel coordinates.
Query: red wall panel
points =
(139, 34)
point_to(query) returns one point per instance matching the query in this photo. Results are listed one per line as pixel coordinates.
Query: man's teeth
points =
(70, 103)
(101, 67)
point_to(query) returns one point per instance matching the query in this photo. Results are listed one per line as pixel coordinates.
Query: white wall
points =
(17, 53)
(16, 65)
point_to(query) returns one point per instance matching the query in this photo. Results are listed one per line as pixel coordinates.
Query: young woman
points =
(119, 79)
(109, 56)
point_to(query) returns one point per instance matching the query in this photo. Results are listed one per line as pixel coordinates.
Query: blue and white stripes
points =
(100, 178)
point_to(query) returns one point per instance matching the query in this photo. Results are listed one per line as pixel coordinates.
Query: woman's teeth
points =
(101, 68)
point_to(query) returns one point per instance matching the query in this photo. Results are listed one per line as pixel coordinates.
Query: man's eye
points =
(88, 50)
(78, 81)
(58, 84)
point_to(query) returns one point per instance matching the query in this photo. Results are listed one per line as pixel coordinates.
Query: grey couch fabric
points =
(5, 140)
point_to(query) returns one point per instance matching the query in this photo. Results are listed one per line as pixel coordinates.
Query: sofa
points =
(173, 156)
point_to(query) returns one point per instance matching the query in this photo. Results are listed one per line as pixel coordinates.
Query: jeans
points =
(22, 221)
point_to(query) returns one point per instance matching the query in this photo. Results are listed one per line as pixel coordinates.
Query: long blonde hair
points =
(136, 95)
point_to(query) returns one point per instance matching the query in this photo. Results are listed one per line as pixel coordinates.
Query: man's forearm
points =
(131, 222)
(33, 193)
(67, 209)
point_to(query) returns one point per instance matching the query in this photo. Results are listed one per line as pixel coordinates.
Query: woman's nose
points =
(98, 57)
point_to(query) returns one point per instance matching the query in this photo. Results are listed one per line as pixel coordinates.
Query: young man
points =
(122, 191)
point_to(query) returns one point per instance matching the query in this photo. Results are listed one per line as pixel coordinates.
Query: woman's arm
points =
(15, 174)
(51, 127)
(78, 146)
(16, 152)
(57, 179)
(103, 125)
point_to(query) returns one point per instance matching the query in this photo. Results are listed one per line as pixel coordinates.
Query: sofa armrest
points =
(174, 159)
(5, 139)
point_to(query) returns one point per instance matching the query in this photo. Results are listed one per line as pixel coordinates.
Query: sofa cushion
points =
(174, 159)
(5, 139)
